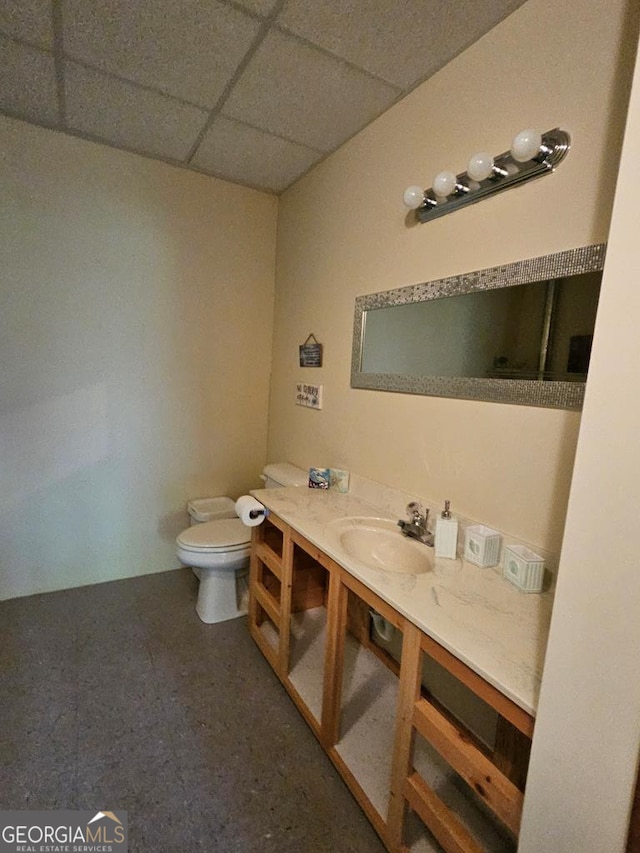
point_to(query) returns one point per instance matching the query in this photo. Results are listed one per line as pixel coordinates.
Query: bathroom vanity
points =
(428, 716)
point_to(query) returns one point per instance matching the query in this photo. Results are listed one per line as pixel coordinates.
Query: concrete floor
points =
(116, 697)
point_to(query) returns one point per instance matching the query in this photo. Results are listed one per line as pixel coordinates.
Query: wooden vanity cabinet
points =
(495, 776)
(270, 575)
(311, 619)
(288, 580)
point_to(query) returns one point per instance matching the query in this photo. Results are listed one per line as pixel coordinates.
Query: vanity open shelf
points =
(425, 775)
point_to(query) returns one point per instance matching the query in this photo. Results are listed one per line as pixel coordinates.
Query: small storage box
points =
(209, 509)
(482, 545)
(523, 568)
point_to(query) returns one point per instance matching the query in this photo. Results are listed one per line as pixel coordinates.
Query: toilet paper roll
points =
(250, 511)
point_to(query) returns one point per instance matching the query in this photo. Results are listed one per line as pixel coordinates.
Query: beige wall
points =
(585, 748)
(342, 232)
(135, 344)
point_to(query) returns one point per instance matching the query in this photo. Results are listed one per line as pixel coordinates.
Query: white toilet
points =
(218, 550)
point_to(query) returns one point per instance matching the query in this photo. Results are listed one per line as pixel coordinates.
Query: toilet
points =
(218, 550)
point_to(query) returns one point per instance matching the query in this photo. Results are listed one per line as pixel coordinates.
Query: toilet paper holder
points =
(250, 511)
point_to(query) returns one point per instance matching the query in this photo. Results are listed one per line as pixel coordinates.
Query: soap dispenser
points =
(446, 538)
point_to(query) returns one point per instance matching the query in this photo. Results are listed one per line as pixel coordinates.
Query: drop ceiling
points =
(252, 91)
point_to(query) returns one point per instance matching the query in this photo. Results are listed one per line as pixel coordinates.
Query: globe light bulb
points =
(413, 197)
(444, 184)
(526, 145)
(480, 166)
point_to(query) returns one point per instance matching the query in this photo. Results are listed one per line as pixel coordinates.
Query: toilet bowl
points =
(218, 551)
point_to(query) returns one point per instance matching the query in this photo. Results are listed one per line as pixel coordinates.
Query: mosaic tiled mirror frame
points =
(526, 392)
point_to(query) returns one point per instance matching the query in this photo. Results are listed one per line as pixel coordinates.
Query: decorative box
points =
(319, 478)
(339, 479)
(482, 545)
(523, 568)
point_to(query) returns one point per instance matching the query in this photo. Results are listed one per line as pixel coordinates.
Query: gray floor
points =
(117, 697)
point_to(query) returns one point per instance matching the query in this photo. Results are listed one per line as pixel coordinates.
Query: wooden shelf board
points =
(370, 696)
(456, 796)
(306, 662)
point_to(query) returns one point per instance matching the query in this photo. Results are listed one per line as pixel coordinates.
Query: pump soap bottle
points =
(446, 539)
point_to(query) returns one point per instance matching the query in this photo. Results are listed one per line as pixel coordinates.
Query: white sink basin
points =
(379, 544)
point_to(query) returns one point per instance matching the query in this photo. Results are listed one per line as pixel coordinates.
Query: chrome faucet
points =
(416, 526)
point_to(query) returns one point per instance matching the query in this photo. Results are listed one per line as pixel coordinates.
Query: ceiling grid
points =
(252, 91)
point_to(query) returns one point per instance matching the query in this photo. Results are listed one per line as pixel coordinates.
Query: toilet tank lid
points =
(286, 474)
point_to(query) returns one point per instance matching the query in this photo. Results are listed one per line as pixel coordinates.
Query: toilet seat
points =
(224, 535)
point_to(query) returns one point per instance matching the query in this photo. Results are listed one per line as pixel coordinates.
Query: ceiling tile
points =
(28, 83)
(260, 7)
(29, 20)
(293, 90)
(399, 41)
(128, 116)
(189, 50)
(241, 153)
(461, 24)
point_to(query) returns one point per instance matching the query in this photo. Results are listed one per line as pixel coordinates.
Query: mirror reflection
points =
(539, 330)
(519, 333)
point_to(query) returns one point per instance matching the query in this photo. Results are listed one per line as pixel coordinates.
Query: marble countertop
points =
(475, 613)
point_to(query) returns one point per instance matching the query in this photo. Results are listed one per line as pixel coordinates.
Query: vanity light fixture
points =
(532, 154)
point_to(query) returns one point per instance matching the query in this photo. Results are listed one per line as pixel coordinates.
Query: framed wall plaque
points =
(311, 353)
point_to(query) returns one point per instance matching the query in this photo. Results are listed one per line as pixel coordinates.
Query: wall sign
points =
(309, 395)
(311, 352)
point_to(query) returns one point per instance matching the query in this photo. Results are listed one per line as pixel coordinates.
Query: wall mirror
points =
(519, 333)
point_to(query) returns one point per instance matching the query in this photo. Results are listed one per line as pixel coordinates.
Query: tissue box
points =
(523, 568)
(482, 545)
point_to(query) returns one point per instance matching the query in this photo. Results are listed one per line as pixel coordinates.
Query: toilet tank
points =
(279, 474)
(202, 510)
